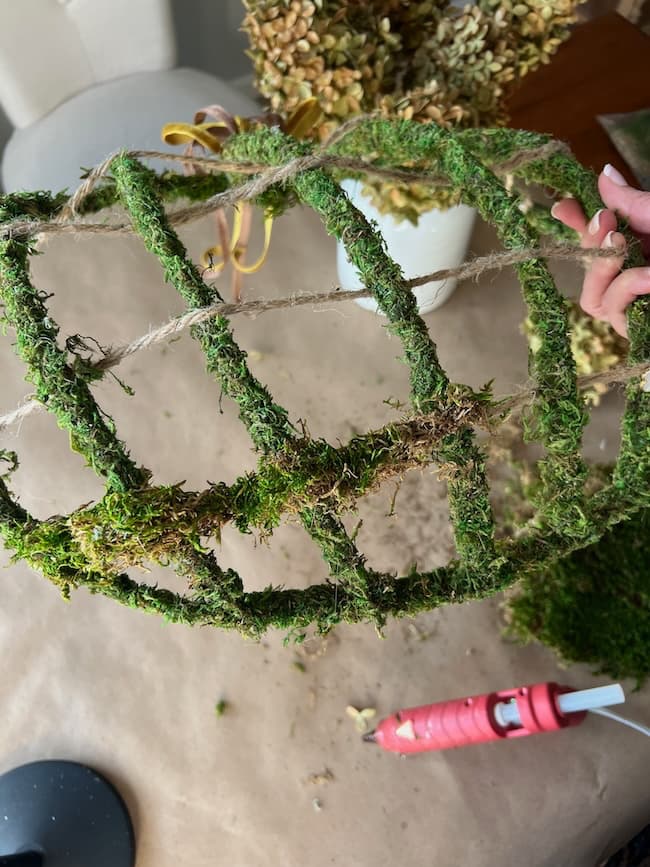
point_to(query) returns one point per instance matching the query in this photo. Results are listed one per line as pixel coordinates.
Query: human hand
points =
(607, 291)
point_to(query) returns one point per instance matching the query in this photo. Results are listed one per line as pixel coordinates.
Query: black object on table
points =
(63, 814)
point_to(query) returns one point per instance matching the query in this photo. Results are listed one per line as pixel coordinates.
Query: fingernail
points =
(614, 175)
(553, 210)
(594, 224)
(614, 239)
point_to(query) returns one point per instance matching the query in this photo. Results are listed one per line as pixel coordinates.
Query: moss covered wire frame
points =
(311, 479)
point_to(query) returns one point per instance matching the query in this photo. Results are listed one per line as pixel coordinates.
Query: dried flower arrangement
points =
(426, 61)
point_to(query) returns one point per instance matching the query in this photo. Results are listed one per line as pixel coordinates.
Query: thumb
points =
(630, 203)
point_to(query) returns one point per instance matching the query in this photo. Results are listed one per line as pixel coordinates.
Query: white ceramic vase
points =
(440, 240)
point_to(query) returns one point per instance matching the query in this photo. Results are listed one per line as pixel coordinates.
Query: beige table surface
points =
(135, 697)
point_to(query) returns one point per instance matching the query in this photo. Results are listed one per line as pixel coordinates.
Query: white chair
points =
(80, 79)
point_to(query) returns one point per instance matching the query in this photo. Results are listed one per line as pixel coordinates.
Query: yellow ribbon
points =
(304, 118)
(191, 133)
(209, 135)
(236, 249)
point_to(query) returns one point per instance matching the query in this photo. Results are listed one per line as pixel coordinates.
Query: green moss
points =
(62, 387)
(221, 707)
(266, 422)
(563, 174)
(169, 186)
(594, 606)
(541, 221)
(127, 528)
(365, 248)
(12, 516)
(136, 522)
(32, 206)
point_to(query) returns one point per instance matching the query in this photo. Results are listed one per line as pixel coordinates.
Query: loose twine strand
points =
(69, 221)
(473, 268)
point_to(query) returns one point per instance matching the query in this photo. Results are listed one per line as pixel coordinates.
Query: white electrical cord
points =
(626, 722)
(506, 713)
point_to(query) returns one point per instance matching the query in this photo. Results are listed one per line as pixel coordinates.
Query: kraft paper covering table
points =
(92, 681)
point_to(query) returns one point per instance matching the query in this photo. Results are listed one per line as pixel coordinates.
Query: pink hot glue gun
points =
(542, 707)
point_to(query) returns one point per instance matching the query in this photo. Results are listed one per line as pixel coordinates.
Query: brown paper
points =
(135, 697)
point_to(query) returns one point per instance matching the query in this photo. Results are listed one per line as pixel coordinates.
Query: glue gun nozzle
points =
(369, 738)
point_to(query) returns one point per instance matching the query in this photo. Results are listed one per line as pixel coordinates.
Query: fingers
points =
(631, 203)
(598, 232)
(606, 291)
(592, 234)
(601, 224)
(620, 293)
(569, 212)
(599, 275)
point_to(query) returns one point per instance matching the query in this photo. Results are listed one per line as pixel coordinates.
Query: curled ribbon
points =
(212, 126)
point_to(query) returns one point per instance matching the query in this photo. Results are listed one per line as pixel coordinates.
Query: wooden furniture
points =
(603, 68)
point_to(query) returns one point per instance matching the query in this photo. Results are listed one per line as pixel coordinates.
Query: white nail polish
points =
(594, 224)
(609, 240)
(614, 175)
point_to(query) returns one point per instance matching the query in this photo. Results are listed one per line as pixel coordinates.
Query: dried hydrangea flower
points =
(427, 61)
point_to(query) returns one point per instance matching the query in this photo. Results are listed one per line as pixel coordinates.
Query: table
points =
(603, 68)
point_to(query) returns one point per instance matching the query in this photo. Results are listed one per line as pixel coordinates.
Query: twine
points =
(317, 481)
(67, 220)
(529, 156)
(473, 268)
